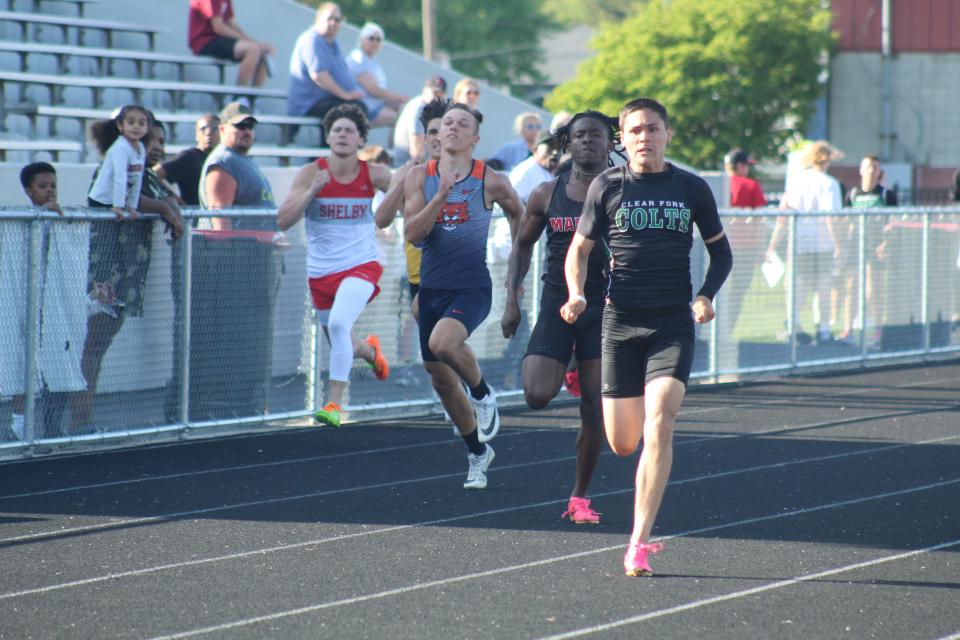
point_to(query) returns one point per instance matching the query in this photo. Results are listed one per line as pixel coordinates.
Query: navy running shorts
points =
(642, 345)
(470, 307)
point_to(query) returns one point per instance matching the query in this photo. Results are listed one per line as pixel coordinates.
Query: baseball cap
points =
(544, 137)
(437, 83)
(235, 113)
(738, 156)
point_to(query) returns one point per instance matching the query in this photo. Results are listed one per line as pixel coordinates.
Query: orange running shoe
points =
(381, 368)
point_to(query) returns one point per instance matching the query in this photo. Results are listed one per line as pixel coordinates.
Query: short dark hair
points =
(29, 173)
(644, 103)
(432, 110)
(351, 112)
(465, 107)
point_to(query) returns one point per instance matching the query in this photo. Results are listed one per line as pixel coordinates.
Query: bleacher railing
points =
(214, 334)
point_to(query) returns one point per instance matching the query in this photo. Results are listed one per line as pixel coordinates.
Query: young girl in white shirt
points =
(117, 185)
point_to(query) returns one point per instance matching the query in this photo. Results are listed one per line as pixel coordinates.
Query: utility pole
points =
(429, 18)
(886, 54)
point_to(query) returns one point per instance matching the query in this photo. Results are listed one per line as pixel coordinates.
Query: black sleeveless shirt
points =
(563, 214)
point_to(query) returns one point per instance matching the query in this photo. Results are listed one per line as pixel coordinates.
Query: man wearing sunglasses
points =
(230, 178)
(319, 77)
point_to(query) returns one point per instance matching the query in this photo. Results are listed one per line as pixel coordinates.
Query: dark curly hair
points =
(431, 110)
(351, 112)
(105, 132)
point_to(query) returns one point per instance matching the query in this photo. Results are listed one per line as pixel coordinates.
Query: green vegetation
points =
(730, 72)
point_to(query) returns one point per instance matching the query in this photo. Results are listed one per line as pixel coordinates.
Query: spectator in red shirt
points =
(214, 32)
(748, 240)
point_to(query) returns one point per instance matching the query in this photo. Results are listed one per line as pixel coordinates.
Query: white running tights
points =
(351, 297)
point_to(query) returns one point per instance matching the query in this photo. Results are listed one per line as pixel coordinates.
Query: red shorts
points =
(324, 288)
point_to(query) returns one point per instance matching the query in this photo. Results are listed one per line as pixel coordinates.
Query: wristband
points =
(579, 297)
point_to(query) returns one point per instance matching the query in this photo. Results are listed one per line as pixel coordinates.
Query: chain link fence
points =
(113, 335)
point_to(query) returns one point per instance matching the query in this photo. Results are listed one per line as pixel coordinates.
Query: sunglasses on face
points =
(245, 126)
(374, 38)
(533, 126)
(335, 19)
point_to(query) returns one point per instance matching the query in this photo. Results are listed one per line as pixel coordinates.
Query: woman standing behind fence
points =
(119, 250)
(334, 195)
(818, 247)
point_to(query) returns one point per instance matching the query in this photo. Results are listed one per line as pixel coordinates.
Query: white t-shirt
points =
(527, 176)
(359, 63)
(814, 190)
(121, 174)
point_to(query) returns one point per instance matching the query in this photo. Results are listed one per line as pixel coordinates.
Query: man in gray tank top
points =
(230, 178)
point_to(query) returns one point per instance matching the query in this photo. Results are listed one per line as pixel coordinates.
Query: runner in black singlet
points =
(555, 206)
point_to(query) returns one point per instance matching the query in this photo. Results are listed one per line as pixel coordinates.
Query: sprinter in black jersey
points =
(645, 213)
(555, 206)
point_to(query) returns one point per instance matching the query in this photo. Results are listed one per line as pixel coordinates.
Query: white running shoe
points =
(477, 473)
(488, 418)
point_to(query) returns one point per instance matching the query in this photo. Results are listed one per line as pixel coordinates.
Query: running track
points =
(815, 507)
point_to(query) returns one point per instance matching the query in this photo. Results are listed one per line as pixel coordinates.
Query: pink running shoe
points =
(579, 511)
(635, 562)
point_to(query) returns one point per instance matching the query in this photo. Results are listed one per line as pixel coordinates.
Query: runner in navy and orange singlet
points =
(334, 197)
(644, 213)
(555, 206)
(447, 213)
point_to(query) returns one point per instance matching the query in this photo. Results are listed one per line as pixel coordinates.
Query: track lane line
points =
(425, 523)
(779, 584)
(538, 563)
(120, 522)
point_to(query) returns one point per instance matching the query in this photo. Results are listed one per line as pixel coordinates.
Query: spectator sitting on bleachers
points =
(184, 169)
(467, 91)
(382, 105)
(408, 134)
(213, 31)
(527, 126)
(319, 77)
(230, 178)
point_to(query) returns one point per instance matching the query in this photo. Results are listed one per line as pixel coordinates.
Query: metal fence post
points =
(186, 298)
(925, 281)
(862, 288)
(792, 295)
(32, 334)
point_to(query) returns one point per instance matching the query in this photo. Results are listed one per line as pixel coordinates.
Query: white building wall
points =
(923, 107)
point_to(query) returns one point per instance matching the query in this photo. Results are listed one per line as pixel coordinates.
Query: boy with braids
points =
(449, 203)
(556, 206)
(644, 213)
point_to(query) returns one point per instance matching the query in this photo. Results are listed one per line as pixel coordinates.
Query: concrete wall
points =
(923, 109)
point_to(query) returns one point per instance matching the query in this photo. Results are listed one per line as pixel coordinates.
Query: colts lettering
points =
(640, 218)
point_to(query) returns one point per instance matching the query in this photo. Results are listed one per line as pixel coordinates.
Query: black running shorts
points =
(554, 338)
(642, 345)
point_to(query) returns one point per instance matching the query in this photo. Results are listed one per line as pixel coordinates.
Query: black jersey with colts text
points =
(562, 217)
(646, 221)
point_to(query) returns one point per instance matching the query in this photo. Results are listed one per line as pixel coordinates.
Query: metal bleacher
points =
(58, 73)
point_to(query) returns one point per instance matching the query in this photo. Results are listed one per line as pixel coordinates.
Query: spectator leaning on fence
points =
(184, 169)
(230, 178)
(119, 250)
(319, 77)
(382, 105)
(213, 31)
